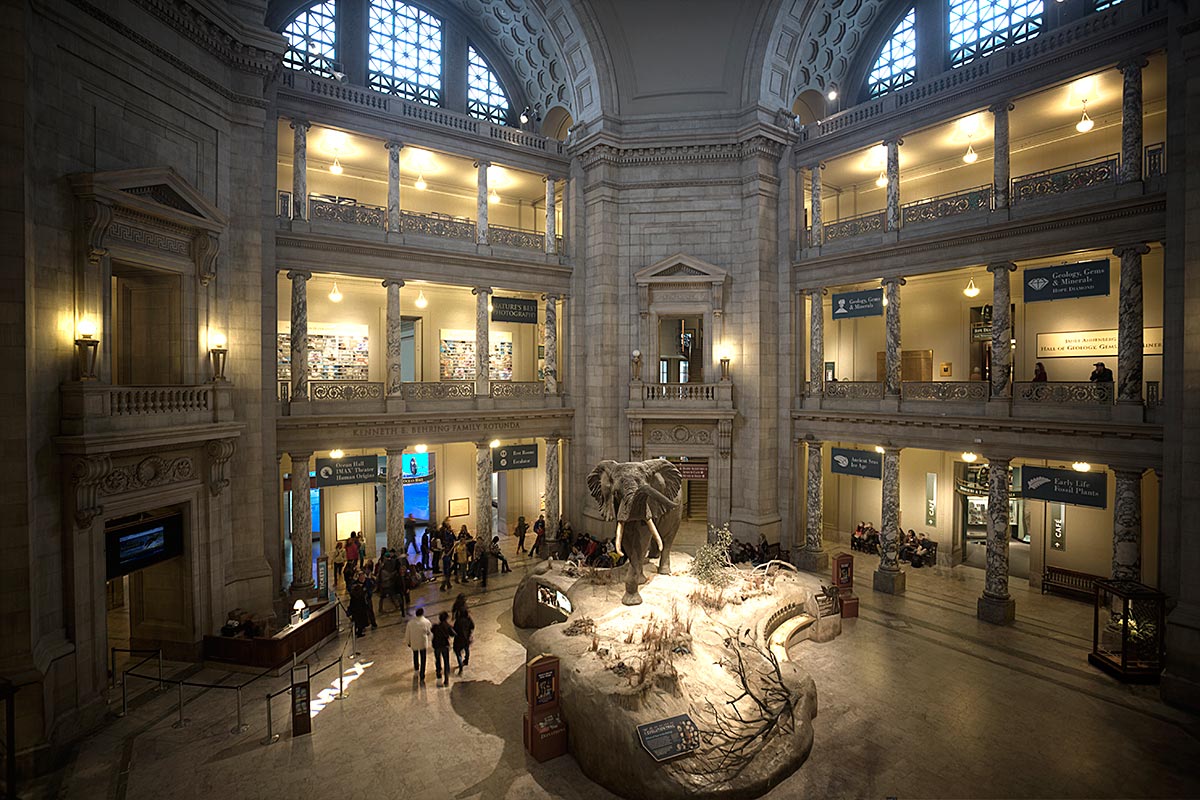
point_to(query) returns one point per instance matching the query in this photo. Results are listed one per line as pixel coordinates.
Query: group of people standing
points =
(421, 635)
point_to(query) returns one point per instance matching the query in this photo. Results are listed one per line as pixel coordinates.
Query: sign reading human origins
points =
(867, 303)
(344, 471)
(669, 738)
(1093, 343)
(1085, 279)
(1065, 486)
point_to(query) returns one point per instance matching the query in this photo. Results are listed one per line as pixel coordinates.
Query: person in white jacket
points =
(419, 634)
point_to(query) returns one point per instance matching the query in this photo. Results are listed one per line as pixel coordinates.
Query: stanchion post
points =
(239, 727)
(181, 722)
(160, 679)
(124, 694)
(271, 737)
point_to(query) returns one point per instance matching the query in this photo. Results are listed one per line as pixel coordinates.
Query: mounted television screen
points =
(140, 544)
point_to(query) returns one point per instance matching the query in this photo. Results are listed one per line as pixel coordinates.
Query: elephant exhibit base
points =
(717, 655)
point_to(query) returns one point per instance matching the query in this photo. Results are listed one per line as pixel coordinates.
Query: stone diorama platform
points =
(718, 655)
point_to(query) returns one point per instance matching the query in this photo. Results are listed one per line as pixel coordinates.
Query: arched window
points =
(312, 40)
(485, 95)
(980, 27)
(404, 52)
(1105, 5)
(897, 62)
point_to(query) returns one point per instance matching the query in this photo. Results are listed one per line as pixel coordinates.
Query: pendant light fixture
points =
(1085, 123)
(970, 157)
(1081, 466)
(971, 289)
(493, 198)
(335, 296)
(420, 184)
(969, 457)
(421, 301)
(882, 180)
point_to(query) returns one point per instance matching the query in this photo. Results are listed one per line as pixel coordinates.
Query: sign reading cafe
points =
(1085, 279)
(860, 463)
(1065, 486)
(867, 303)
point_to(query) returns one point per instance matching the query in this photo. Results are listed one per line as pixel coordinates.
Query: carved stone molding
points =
(204, 251)
(151, 471)
(681, 434)
(219, 452)
(757, 146)
(724, 437)
(87, 475)
(97, 216)
(635, 439)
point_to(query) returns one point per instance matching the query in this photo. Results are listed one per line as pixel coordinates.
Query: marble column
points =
(818, 230)
(1127, 525)
(1001, 328)
(889, 577)
(1129, 324)
(553, 506)
(551, 217)
(299, 334)
(394, 385)
(1001, 174)
(816, 343)
(300, 168)
(893, 183)
(995, 605)
(302, 568)
(812, 557)
(891, 288)
(481, 202)
(483, 492)
(550, 345)
(1131, 120)
(483, 347)
(393, 199)
(395, 498)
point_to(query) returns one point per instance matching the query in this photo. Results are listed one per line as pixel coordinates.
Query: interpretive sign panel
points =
(931, 498)
(514, 456)
(348, 470)
(669, 738)
(514, 309)
(1064, 344)
(1085, 279)
(693, 470)
(1065, 486)
(867, 303)
(860, 463)
(301, 702)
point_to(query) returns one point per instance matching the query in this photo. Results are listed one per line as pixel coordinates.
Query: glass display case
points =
(1127, 630)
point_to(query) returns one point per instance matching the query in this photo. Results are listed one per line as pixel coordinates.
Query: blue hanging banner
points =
(860, 463)
(1065, 486)
(867, 303)
(1085, 279)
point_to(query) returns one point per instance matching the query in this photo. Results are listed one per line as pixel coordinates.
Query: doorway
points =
(147, 343)
(972, 482)
(693, 524)
(681, 349)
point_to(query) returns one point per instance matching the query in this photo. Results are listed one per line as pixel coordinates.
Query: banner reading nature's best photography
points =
(860, 463)
(1065, 486)
(1085, 279)
(867, 303)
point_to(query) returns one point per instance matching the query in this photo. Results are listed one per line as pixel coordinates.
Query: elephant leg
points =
(632, 571)
(664, 562)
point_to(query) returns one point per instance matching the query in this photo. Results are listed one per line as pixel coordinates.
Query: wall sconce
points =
(832, 94)
(86, 347)
(217, 350)
(724, 354)
(637, 364)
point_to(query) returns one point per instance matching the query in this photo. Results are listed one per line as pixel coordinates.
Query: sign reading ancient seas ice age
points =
(1085, 279)
(669, 738)
(1065, 486)
(343, 471)
(1093, 343)
(867, 303)
(514, 309)
(861, 463)
(514, 456)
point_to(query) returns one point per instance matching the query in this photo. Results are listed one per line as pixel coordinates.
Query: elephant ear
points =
(666, 481)
(600, 484)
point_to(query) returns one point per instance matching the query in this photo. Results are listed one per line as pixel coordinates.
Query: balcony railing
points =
(1063, 393)
(517, 389)
(442, 225)
(947, 205)
(681, 395)
(1060, 180)
(347, 213)
(1155, 161)
(952, 391)
(445, 390)
(96, 407)
(515, 237)
(344, 390)
(872, 222)
(854, 390)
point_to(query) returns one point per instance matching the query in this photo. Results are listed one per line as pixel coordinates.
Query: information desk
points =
(263, 652)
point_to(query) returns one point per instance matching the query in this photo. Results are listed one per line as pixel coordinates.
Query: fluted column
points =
(483, 492)
(995, 605)
(891, 288)
(812, 557)
(300, 168)
(893, 183)
(1131, 119)
(1127, 525)
(483, 347)
(395, 357)
(481, 201)
(302, 578)
(393, 203)
(553, 509)
(550, 345)
(818, 230)
(551, 218)
(299, 334)
(1001, 174)
(889, 577)
(816, 343)
(1129, 324)
(1001, 328)
(395, 498)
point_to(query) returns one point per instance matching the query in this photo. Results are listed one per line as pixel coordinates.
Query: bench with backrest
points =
(1069, 582)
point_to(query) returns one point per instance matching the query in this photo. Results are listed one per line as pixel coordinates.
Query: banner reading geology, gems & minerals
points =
(1085, 279)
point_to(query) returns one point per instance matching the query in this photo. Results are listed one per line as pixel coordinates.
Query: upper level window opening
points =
(896, 66)
(981, 27)
(485, 95)
(312, 40)
(404, 52)
(1105, 5)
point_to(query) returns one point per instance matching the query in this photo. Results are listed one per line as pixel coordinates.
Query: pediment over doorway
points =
(682, 278)
(681, 268)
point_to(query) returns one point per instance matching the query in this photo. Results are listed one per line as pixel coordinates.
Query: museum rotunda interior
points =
(837, 434)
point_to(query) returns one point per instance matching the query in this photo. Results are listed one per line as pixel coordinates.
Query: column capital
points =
(298, 124)
(997, 459)
(552, 178)
(813, 444)
(393, 146)
(1137, 62)
(999, 266)
(1002, 107)
(815, 292)
(557, 296)
(894, 279)
(1128, 471)
(484, 164)
(299, 455)
(299, 274)
(891, 450)
(478, 290)
(817, 167)
(896, 140)
(1141, 248)
(393, 452)
(390, 282)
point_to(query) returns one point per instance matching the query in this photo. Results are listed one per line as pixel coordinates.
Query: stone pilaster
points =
(1001, 329)
(1129, 324)
(481, 202)
(483, 492)
(1127, 525)
(812, 557)
(393, 200)
(299, 334)
(483, 347)
(995, 605)
(553, 506)
(889, 577)
(302, 577)
(893, 183)
(818, 230)
(300, 168)
(1001, 172)
(395, 499)
(394, 384)
(891, 288)
(551, 218)
(816, 343)
(1131, 119)
(550, 345)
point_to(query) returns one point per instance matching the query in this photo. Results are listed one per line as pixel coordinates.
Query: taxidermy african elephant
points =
(644, 498)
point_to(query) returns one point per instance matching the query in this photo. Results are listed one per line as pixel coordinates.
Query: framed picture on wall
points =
(830, 371)
(460, 507)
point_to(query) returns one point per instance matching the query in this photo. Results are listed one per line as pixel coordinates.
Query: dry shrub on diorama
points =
(711, 565)
(581, 627)
(656, 645)
(596, 576)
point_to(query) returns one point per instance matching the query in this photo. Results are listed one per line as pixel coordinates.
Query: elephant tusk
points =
(654, 530)
(620, 530)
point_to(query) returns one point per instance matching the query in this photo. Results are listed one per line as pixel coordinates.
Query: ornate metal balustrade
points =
(142, 400)
(947, 205)
(963, 391)
(347, 213)
(1064, 392)
(854, 390)
(1156, 161)
(1096, 172)
(514, 237)
(344, 390)
(512, 389)
(443, 390)
(854, 226)
(441, 225)
(285, 205)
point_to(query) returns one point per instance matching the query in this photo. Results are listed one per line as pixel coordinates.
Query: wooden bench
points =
(1069, 582)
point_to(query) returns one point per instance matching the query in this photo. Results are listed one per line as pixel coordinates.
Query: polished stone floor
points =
(917, 699)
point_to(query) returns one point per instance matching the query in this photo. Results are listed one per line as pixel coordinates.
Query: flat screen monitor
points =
(137, 545)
